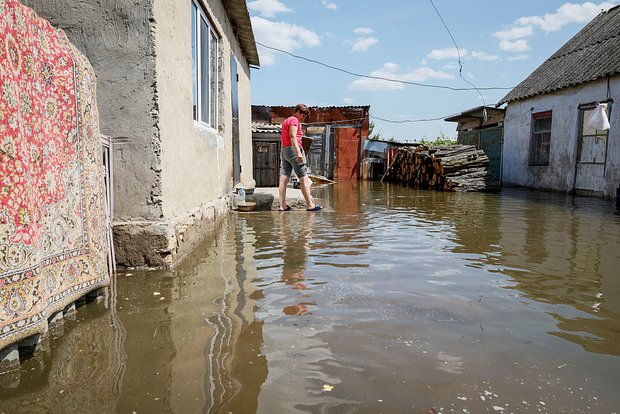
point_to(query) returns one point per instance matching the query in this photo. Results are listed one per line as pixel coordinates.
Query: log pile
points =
(449, 168)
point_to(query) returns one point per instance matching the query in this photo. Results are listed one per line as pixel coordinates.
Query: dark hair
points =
(301, 108)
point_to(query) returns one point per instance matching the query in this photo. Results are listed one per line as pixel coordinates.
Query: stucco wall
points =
(559, 175)
(115, 36)
(196, 161)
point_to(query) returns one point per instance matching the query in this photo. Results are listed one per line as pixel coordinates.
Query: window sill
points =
(205, 127)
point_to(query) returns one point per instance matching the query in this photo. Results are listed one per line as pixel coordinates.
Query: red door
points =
(347, 151)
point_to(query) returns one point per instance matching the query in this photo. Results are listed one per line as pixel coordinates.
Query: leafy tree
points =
(371, 128)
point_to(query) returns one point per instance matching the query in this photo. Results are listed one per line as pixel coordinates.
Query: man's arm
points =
(292, 131)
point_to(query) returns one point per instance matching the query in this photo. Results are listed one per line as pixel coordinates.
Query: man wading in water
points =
(293, 158)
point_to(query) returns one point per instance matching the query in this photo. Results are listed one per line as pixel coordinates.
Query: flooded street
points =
(391, 300)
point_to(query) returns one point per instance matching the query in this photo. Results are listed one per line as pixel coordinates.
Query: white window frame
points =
(204, 116)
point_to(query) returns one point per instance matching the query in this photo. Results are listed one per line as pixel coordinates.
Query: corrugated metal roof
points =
(376, 146)
(474, 113)
(242, 28)
(264, 128)
(591, 54)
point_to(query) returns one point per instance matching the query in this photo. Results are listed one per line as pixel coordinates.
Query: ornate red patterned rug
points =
(53, 246)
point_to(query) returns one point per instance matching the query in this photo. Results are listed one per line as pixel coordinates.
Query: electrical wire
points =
(381, 77)
(459, 57)
(405, 121)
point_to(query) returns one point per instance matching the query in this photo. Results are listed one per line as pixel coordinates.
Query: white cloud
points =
(362, 30)
(281, 35)
(511, 37)
(484, 56)
(566, 14)
(268, 8)
(329, 5)
(446, 53)
(514, 46)
(348, 101)
(363, 43)
(514, 32)
(390, 71)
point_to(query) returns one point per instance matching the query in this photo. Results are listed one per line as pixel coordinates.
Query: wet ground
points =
(391, 300)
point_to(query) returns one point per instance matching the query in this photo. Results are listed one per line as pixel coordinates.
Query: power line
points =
(459, 56)
(449, 33)
(405, 121)
(381, 77)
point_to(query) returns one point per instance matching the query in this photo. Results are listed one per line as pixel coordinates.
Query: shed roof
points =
(242, 28)
(590, 55)
(376, 146)
(474, 114)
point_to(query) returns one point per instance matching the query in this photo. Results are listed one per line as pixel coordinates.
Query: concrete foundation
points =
(165, 243)
(264, 202)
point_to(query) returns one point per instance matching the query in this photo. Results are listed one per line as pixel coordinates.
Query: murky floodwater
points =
(389, 301)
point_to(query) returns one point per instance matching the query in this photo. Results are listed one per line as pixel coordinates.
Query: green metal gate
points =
(490, 141)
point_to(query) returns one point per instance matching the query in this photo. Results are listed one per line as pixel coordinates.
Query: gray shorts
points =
(290, 162)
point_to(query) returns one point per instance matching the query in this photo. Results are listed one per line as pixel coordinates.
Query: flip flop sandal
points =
(287, 208)
(315, 208)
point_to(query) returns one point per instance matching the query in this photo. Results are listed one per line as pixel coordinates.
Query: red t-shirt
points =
(286, 139)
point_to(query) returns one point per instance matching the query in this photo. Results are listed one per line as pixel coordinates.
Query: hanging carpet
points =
(53, 246)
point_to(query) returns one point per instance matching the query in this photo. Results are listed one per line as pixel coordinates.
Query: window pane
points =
(541, 139)
(542, 125)
(204, 71)
(194, 64)
(214, 77)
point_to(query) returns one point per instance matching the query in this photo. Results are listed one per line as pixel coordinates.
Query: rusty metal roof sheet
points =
(242, 28)
(591, 54)
(315, 107)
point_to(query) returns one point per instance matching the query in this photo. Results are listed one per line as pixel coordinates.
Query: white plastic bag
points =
(598, 119)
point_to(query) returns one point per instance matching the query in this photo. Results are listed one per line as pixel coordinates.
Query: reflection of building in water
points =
(566, 254)
(213, 328)
(558, 249)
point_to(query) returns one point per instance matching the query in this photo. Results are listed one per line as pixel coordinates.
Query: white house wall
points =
(559, 175)
(197, 161)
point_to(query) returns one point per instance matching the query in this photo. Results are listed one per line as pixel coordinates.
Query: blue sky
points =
(499, 43)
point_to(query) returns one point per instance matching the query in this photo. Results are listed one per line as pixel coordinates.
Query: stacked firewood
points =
(449, 168)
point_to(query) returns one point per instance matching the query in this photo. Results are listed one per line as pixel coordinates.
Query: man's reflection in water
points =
(295, 233)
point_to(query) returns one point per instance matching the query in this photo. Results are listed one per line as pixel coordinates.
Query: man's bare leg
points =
(282, 191)
(305, 191)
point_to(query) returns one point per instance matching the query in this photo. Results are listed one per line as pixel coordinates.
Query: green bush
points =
(441, 141)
